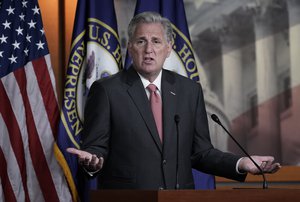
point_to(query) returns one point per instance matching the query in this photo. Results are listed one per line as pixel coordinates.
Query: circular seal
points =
(95, 54)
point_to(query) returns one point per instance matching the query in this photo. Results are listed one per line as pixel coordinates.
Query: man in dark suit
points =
(124, 142)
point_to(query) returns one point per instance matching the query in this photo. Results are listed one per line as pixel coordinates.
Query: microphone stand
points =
(217, 120)
(177, 119)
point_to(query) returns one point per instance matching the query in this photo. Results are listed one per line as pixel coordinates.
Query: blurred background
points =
(249, 66)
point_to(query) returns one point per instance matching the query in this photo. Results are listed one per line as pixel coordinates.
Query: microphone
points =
(216, 119)
(177, 119)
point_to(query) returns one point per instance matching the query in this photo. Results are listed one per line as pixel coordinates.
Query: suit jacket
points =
(119, 126)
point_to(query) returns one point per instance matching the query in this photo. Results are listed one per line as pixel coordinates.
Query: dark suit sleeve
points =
(204, 156)
(96, 130)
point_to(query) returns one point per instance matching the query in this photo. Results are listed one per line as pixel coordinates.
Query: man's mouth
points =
(148, 59)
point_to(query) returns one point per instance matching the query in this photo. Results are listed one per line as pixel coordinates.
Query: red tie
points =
(156, 107)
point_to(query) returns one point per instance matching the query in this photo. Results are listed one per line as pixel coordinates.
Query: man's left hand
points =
(266, 163)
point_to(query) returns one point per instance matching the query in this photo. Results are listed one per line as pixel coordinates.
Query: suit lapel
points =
(169, 96)
(137, 92)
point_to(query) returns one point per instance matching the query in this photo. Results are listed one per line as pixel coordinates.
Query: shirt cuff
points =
(90, 173)
(237, 167)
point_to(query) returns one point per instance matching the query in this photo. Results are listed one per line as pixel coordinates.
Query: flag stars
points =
(31, 24)
(24, 4)
(6, 24)
(40, 45)
(3, 39)
(26, 51)
(36, 10)
(22, 17)
(13, 59)
(16, 45)
(10, 10)
(28, 38)
(22, 33)
(19, 31)
(42, 31)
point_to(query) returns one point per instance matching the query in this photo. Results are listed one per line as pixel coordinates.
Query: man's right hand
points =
(89, 161)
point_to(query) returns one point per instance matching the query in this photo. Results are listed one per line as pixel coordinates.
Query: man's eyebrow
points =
(157, 38)
(145, 38)
(140, 38)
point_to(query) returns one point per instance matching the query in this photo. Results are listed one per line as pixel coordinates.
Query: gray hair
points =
(150, 17)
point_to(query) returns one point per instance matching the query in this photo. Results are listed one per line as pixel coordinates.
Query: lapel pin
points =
(172, 93)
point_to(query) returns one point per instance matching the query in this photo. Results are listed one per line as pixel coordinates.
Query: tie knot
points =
(151, 87)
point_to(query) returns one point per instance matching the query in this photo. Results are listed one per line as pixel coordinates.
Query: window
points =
(286, 95)
(253, 110)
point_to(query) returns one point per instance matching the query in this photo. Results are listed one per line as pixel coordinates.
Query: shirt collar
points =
(156, 82)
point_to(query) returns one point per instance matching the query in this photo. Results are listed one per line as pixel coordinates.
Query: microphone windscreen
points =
(177, 118)
(215, 118)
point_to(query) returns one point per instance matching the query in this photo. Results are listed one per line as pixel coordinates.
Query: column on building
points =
(290, 125)
(294, 35)
(267, 139)
(233, 87)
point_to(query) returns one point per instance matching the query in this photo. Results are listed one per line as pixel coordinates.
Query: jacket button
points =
(164, 161)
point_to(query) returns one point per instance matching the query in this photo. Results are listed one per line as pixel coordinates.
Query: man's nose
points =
(149, 47)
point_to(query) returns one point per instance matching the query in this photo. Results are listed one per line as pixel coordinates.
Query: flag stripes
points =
(7, 188)
(29, 121)
(47, 91)
(35, 146)
(12, 144)
(29, 112)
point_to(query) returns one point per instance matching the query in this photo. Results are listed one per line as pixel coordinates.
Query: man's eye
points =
(140, 42)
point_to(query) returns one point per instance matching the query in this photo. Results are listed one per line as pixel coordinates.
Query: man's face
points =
(149, 49)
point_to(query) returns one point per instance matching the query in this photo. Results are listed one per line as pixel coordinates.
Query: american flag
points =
(29, 112)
